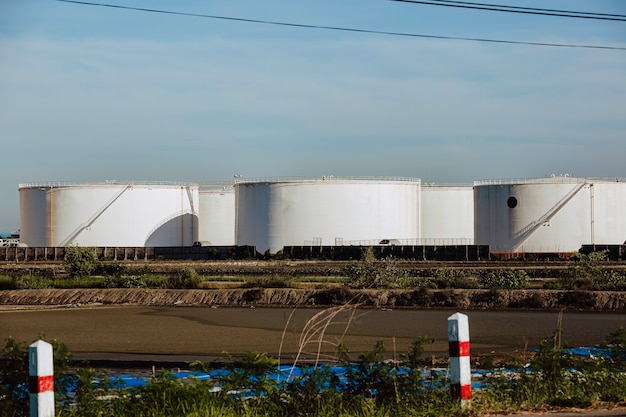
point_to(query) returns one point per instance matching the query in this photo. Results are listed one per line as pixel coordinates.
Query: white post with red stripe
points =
(460, 368)
(41, 379)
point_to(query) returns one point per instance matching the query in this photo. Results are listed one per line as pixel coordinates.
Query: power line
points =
(523, 10)
(532, 8)
(298, 25)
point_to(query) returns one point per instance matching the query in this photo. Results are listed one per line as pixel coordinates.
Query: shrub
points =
(396, 388)
(558, 378)
(587, 265)
(586, 271)
(130, 281)
(414, 357)
(450, 278)
(269, 282)
(81, 260)
(186, 278)
(507, 279)
(114, 268)
(610, 281)
(616, 343)
(373, 273)
(25, 282)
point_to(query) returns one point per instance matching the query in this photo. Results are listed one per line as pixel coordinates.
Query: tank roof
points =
(108, 183)
(324, 178)
(553, 179)
(444, 185)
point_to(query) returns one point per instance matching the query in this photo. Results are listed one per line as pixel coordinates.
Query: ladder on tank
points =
(522, 236)
(93, 218)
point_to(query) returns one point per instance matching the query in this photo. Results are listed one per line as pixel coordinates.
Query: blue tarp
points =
(283, 374)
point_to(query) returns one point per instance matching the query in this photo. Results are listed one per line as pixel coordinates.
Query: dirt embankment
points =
(539, 299)
(448, 299)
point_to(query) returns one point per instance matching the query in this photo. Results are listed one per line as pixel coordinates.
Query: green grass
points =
(183, 280)
(554, 380)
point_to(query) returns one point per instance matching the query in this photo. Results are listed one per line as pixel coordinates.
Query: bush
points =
(269, 282)
(112, 269)
(587, 265)
(25, 282)
(558, 378)
(186, 278)
(586, 271)
(507, 279)
(610, 281)
(82, 261)
(129, 281)
(451, 278)
(396, 388)
(373, 273)
(616, 343)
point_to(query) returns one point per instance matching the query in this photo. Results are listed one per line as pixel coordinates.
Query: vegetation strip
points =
(587, 282)
(555, 378)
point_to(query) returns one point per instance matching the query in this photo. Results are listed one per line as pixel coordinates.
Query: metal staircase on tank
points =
(93, 218)
(523, 235)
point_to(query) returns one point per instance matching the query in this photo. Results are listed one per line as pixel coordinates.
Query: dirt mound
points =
(461, 299)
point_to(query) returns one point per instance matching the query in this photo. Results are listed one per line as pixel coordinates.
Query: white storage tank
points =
(447, 215)
(273, 213)
(608, 205)
(554, 214)
(108, 214)
(216, 219)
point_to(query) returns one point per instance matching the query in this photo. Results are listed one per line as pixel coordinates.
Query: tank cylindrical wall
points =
(608, 213)
(252, 225)
(271, 215)
(35, 216)
(447, 214)
(542, 215)
(109, 215)
(216, 219)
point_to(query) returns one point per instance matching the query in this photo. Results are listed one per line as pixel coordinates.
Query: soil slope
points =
(452, 299)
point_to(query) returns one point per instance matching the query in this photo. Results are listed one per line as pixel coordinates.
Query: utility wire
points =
(298, 25)
(523, 10)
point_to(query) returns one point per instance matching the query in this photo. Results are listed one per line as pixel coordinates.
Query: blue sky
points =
(93, 93)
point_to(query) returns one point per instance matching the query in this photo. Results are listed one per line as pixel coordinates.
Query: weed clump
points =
(375, 273)
(510, 279)
(185, 278)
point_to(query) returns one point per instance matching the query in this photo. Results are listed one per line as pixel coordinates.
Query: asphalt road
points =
(198, 333)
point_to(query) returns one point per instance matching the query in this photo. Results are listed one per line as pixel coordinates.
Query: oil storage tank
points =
(273, 213)
(447, 214)
(608, 212)
(110, 213)
(216, 218)
(553, 214)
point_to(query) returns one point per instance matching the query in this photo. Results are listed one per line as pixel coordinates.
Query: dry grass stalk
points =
(314, 332)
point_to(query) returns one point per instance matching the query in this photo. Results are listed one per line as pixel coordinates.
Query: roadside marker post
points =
(41, 379)
(460, 367)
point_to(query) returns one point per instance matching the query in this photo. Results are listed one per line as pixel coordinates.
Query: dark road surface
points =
(190, 333)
